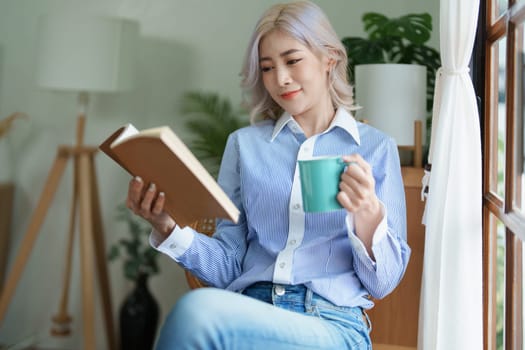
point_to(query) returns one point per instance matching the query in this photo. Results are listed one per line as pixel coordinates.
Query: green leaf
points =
(114, 252)
(375, 24)
(415, 28)
(131, 269)
(365, 51)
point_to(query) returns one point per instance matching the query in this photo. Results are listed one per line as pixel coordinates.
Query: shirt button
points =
(296, 206)
(279, 290)
(282, 265)
(306, 149)
(173, 246)
(292, 242)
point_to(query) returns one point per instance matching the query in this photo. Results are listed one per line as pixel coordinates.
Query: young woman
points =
(283, 278)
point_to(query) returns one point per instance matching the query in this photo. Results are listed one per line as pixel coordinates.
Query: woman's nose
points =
(283, 77)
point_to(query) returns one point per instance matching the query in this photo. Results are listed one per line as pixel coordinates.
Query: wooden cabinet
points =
(395, 318)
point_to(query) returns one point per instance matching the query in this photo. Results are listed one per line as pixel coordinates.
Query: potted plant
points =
(395, 40)
(399, 41)
(139, 313)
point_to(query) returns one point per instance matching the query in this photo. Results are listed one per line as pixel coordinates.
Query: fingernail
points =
(151, 187)
(138, 179)
(161, 194)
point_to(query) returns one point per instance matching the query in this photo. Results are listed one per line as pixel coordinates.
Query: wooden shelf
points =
(392, 347)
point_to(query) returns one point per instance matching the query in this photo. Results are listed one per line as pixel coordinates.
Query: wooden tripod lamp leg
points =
(62, 319)
(31, 234)
(87, 250)
(100, 253)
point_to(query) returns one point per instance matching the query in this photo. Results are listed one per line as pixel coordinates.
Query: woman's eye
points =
(266, 69)
(294, 61)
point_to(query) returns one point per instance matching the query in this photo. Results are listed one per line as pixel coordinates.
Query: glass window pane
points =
(496, 176)
(502, 109)
(498, 229)
(498, 8)
(519, 199)
(502, 6)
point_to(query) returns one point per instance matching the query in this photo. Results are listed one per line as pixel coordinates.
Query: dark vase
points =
(139, 315)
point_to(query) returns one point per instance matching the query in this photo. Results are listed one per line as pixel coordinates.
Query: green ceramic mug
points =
(320, 177)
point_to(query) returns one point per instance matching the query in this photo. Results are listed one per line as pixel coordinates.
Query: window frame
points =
(492, 28)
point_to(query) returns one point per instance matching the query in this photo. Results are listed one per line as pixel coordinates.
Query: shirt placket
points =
(284, 262)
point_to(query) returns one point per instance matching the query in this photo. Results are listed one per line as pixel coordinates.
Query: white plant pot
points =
(393, 96)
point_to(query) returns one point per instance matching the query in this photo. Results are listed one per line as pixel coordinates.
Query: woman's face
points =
(293, 75)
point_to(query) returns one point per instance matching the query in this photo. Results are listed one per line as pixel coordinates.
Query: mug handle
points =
(347, 164)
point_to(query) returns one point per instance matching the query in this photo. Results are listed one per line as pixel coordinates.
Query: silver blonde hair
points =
(307, 23)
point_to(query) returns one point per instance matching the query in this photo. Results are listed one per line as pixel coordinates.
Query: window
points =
(502, 24)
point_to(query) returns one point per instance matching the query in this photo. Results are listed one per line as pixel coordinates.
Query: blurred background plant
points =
(139, 258)
(211, 119)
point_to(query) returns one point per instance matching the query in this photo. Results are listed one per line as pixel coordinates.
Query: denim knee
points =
(193, 323)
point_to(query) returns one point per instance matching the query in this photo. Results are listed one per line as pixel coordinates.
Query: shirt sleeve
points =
(175, 244)
(391, 251)
(379, 235)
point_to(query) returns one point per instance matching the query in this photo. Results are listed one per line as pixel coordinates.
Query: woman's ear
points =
(330, 64)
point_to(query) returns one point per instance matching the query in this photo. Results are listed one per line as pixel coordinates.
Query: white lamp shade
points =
(393, 96)
(86, 52)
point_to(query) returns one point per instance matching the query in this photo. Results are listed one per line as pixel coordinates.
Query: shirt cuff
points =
(379, 233)
(175, 244)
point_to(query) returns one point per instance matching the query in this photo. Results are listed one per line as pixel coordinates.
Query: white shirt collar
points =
(342, 119)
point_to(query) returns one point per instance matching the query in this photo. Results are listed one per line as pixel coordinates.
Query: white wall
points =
(184, 45)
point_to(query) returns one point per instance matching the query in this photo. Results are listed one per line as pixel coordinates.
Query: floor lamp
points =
(80, 53)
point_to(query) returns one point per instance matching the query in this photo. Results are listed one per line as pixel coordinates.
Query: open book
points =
(157, 155)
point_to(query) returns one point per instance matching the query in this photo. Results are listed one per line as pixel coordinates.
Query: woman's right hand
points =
(147, 203)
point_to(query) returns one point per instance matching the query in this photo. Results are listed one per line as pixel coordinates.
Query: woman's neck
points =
(316, 120)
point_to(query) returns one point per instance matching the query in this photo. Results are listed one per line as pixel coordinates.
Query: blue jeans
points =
(267, 316)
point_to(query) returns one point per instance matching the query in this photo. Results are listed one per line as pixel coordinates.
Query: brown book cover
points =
(157, 155)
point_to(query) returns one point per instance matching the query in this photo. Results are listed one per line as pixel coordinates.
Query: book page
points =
(129, 130)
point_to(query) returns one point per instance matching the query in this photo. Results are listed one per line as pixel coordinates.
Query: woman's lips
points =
(291, 94)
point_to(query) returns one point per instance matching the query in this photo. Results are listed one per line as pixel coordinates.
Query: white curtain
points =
(451, 306)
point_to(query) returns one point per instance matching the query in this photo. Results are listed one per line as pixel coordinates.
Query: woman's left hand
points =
(357, 186)
(358, 196)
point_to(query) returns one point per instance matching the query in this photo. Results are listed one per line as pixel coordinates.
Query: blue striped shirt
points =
(275, 240)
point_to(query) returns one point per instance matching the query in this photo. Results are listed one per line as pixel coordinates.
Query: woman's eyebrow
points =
(282, 54)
